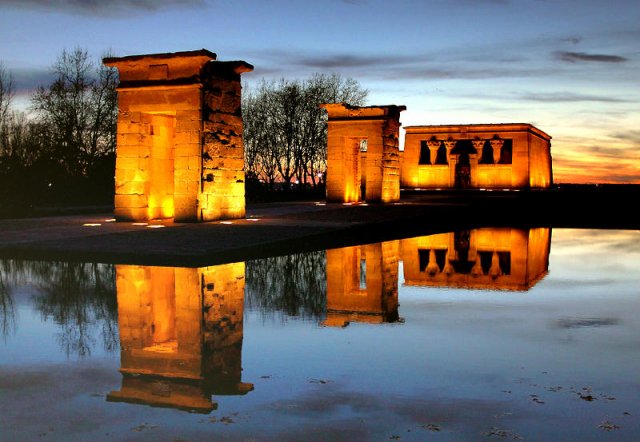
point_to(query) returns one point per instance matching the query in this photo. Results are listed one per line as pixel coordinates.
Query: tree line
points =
(61, 150)
(285, 132)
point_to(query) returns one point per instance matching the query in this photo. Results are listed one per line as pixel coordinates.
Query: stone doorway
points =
(362, 153)
(463, 171)
(179, 153)
(162, 165)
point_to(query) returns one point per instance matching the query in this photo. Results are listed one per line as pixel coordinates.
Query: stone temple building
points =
(179, 152)
(490, 156)
(362, 153)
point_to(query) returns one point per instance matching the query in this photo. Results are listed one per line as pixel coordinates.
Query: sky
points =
(569, 67)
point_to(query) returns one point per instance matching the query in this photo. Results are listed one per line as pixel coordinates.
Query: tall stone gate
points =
(179, 151)
(362, 153)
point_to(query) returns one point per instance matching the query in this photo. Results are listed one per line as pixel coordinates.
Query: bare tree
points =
(80, 108)
(6, 96)
(285, 131)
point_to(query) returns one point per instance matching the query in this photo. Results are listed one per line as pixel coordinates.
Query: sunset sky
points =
(570, 67)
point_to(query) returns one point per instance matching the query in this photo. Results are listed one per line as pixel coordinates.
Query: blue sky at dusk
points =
(570, 67)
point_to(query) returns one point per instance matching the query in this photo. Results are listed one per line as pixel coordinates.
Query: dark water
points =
(490, 334)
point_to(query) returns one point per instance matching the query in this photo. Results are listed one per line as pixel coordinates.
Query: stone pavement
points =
(268, 229)
(281, 228)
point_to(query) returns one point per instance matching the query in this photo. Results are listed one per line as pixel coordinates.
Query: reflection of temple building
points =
(487, 258)
(180, 335)
(488, 156)
(362, 284)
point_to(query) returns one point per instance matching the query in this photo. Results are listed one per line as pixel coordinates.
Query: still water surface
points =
(489, 334)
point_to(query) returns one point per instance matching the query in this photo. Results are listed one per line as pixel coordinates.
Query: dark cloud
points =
(574, 39)
(25, 81)
(103, 8)
(585, 322)
(573, 57)
(631, 135)
(569, 97)
(612, 153)
(351, 61)
(425, 66)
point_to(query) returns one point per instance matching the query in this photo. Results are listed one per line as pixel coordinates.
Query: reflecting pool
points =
(485, 334)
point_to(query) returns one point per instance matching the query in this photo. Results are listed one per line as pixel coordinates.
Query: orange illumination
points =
(358, 284)
(92, 224)
(499, 258)
(139, 224)
(110, 220)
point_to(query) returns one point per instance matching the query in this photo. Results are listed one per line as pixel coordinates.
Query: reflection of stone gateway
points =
(179, 148)
(488, 258)
(181, 335)
(362, 284)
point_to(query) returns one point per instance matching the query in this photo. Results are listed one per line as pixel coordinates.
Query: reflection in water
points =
(293, 284)
(181, 329)
(564, 351)
(180, 335)
(362, 284)
(487, 258)
(79, 297)
(7, 309)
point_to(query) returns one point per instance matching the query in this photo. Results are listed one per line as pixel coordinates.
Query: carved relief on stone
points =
(434, 145)
(478, 144)
(496, 145)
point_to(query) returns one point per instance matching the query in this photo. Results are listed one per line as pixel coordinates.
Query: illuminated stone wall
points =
(352, 130)
(487, 258)
(179, 152)
(180, 335)
(488, 156)
(362, 284)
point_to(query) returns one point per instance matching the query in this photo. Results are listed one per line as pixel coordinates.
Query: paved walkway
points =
(280, 228)
(268, 229)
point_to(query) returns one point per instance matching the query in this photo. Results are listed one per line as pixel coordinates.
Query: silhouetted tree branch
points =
(284, 128)
(80, 108)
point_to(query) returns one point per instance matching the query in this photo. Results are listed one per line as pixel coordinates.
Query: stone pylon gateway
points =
(179, 153)
(362, 153)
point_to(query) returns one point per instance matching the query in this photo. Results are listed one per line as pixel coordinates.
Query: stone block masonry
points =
(179, 151)
(362, 153)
